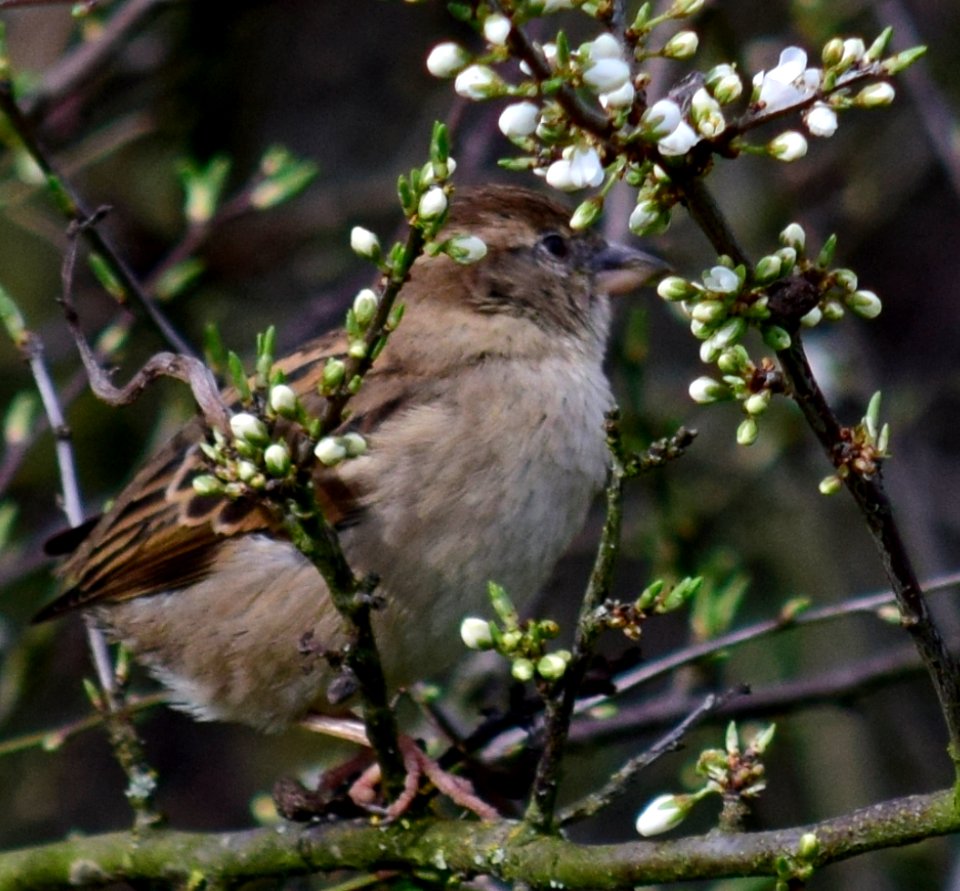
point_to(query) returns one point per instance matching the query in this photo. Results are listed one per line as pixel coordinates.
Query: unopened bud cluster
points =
(865, 447)
(728, 301)
(257, 455)
(523, 643)
(731, 772)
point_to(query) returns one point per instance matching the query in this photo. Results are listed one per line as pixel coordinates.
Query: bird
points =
(484, 423)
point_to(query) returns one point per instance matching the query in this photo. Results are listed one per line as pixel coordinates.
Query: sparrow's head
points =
(537, 269)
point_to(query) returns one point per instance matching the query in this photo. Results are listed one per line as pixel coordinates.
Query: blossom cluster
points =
(620, 132)
(729, 299)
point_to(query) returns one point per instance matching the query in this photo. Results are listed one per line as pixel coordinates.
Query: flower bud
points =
(249, 428)
(821, 120)
(354, 444)
(333, 371)
(853, 50)
(648, 218)
(551, 667)
(776, 338)
(276, 458)
(433, 203)
(710, 312)
(846, 279)
(865, 304)
(247, 471)
(522, 670)
(747, 432)
(757, 403)
(875, 95)
(519, 120)
(794, 236)
(812, 318)
(830, 485)
(734, 359)
(682, 45)
(207, 484)
(475, 633)
(283, 400)
(788, 146)
(675, 288)
(705, 390)
(768, 268)
(446, 59)
(664, 813)
(330, 451)
(586, 213)
(496, 29)
(465, 248)
(364, 243)
(832, 52)
(477, 82)
(365, 307)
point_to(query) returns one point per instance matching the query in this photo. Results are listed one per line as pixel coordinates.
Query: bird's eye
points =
(556, 244)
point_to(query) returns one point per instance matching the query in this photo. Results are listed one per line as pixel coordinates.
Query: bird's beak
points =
(619, 269)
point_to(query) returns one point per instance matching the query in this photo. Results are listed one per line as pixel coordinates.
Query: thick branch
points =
(875, 506)
(466, 849)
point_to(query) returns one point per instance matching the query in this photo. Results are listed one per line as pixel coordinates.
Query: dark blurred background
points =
(342, 83)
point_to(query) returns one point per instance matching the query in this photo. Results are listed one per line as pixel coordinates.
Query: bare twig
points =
(616, 786)
(73, 209)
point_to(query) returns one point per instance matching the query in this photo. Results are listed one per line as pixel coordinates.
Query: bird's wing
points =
(161, 535)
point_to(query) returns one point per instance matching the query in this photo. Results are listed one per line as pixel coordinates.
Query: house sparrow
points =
(484, 422)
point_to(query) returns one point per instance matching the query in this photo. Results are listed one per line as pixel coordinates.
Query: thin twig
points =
(74, 210)
(559, 708)
(616, 786)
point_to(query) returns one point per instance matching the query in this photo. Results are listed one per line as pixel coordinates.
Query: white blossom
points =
(606, 75)
(580, 167)
(606, 46)
(555, 5)
(787, 84)
(519, 120)
(619, 98)
(707, 114)
(446, 59)
(661, 118)
(680, 141)
(821, 119)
